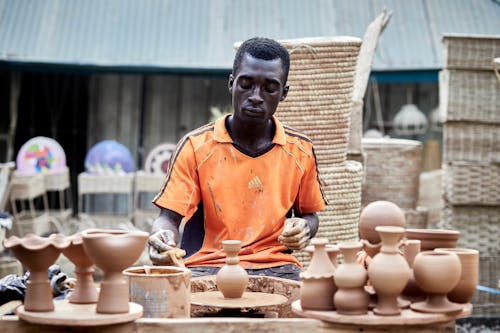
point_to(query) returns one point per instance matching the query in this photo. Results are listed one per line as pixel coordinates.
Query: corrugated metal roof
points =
(198, 34)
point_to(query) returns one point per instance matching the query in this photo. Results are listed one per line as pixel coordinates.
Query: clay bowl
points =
(434, 238)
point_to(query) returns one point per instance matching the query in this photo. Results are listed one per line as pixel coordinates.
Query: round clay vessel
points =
(37, 254)
(388, 272)
(113, 251)
(434, 238)
(85, 291)
(318, 286)
(331, 249)
(466, 287)
(379, 213)
(370, 249)
(412, 291)
(436, 273)
(163, 291)
(350, 278)
(232, 279)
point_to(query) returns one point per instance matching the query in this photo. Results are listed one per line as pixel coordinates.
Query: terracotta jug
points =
(388, 271)
(350, 278)
(412, 291)
(466, 287)
(37, 254)
(379, 213)
(113, 251)
(85, 291)
(437, 273)
(232, 279)
(318, 285)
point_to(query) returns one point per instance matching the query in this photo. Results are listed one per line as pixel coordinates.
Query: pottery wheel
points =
(248, 300)
(69, 314)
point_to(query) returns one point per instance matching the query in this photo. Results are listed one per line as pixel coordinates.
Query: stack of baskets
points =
(319, 103)
(392, 173)
(470, 95)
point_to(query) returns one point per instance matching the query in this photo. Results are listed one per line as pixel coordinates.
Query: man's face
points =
(257, 88)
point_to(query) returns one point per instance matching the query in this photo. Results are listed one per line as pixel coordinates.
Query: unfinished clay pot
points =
(113, 251)
(350, 278)
(388, 271)
(37, 254)
(163, 291)
(318, 286)
(331, 249)
(412, 291)
(437, 273)
(434, 238)
(466, 287)
(85, 291)
(379, 213)
(232, 279)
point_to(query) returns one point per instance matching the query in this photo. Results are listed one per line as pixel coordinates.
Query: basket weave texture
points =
(92, 184)
(417, 218)
(470, 52)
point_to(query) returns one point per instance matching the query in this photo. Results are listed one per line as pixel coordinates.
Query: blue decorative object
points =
(109, 157)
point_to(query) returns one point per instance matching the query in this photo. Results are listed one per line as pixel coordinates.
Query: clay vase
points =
(437, 273)
(379, 213)
(388, 271)
(412, 291)
(434, 238)
(331, 249)
(370, 249)
(84, 291)
(318, 285)
(232, 279)
(350, 278)
(113, 251)
(466, 287)
(37, 254)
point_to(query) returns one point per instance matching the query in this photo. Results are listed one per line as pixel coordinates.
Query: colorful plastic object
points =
(109, 157)
(40, 155)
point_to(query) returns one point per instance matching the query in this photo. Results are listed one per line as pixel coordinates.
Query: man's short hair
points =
(265, 49)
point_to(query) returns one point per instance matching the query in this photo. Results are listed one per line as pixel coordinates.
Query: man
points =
(249, 172)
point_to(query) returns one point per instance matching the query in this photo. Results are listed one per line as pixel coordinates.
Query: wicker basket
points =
(467, 141)
(485, 303)
(392, 169)
(472, 183)
(356, 129)
(93, 184)
(417, 218)
(470, 95)
(470, 51)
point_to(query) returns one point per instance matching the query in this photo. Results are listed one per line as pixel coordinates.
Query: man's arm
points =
(298, 230)
(312, 222)
(164, 236)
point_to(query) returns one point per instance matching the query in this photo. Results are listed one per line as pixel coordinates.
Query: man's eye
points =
(271, 88)
(245, 84)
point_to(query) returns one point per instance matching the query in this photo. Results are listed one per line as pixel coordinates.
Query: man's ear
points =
(230, 83)
(285, 92)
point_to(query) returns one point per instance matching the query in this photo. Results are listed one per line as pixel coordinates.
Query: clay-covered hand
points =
(296, 234)
(159, 243)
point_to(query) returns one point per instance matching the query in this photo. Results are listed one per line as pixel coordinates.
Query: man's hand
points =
(296, 234)
(159, 243)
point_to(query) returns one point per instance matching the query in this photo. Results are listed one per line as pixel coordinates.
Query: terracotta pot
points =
(434, 238)
(389, 272)
(412, 291)
(371, 249)
(350, 278)
(113, 251)
(318, 286)
(232, 279)
(331, 249)
(379, 213)
(466, 287)
(85, 291)
(37, 254)
(437, 273)
(163, 291)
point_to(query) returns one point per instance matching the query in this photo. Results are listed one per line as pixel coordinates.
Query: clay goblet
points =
(113, 251)
(85, 291)
(436, 273)
(37, 254)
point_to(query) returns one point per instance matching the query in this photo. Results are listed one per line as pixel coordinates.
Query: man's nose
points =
(255, 97)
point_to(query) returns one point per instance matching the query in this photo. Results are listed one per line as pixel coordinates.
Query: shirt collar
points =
(221, 134)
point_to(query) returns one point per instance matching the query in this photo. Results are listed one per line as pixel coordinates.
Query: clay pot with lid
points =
(434, 238)
(113, 251)
(37, 254)
(436, 273)
(466, 287)
(232, 279)
(318, 285)
(388, 271)
(350, 278)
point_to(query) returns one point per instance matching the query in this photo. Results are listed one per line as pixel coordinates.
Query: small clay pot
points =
(331, 249)
(232, 279)
(379, 213)
(466, 287)
(434, 238)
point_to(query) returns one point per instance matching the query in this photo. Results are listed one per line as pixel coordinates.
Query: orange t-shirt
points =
(244, 198)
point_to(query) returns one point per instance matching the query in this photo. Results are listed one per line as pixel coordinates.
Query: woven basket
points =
(470, 95)
(479, 227)
(356, 129)
(93, 184)
(485, 303)
(467, 141)
(57, 181)
(470, 51)
(417, 218)
(392, 169)
(472, 183)
(26, 187)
